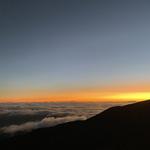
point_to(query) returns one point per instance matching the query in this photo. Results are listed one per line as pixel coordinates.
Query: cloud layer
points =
(22, 117)
(46, 122)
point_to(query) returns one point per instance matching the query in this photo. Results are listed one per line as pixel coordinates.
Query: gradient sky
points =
(50, 47)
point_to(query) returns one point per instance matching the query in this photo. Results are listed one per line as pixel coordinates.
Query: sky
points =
(74, 50)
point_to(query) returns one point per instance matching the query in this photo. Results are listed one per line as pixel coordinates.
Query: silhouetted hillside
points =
(117, 128)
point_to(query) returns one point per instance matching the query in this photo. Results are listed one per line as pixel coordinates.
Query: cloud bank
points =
(46, 122)
(25, 117)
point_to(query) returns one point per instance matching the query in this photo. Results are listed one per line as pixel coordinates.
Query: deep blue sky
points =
(56, 44)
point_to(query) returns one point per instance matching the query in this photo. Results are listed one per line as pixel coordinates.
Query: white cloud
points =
(46, 122)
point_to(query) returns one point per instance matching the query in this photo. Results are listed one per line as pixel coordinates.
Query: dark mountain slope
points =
(117, 128)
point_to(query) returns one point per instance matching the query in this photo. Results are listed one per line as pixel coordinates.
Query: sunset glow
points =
(109, 93)
(129, 96)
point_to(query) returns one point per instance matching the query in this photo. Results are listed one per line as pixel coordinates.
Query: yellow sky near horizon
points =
(126, 92)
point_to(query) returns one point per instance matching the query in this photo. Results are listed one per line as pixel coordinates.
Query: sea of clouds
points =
(22, 117)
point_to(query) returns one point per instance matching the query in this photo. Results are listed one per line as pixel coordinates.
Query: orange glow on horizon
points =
(136, 92)
(129, 96)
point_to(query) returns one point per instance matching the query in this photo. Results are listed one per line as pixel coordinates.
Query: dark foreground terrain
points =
(118, 128)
